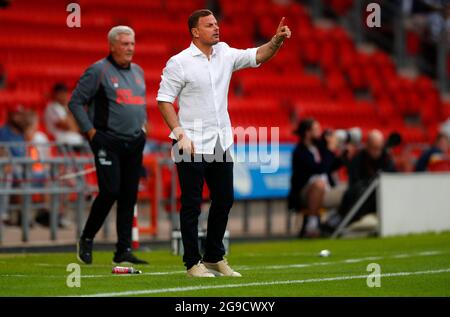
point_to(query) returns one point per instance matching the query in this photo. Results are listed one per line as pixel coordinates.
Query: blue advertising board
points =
(262, 171)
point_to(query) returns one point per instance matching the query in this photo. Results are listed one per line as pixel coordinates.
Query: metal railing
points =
(56, 176)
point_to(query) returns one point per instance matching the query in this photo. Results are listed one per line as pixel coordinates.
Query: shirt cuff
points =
(165, 98)
(252, 53)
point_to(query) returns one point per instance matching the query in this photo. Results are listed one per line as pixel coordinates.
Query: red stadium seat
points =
(316, 73)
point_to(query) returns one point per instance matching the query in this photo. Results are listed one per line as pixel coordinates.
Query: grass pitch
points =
(416, 265)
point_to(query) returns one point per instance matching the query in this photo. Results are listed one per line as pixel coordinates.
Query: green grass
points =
(44, 274)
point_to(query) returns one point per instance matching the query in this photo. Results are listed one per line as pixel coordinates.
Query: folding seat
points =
(357, 78)
(310, 52)
(335, 82)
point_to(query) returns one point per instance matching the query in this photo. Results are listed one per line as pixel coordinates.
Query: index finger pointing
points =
(281, 23)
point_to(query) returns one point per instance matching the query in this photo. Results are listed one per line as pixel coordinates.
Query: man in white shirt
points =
(199, 77)
(58, 121)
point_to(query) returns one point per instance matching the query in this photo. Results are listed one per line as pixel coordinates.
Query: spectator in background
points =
(33, 134)
(438, 21)
(440, 147)
(362, 169)
(14, 129)
(370, 160)
(312, 185)
(59, 121)
(38, 150)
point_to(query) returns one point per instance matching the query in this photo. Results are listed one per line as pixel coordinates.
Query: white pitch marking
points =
(242, 268)
(312, 280)
(426, 253)
(401, 256)
(370, 258)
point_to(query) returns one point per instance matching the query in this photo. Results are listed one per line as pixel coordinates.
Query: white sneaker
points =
(199, 270)
(221, 268)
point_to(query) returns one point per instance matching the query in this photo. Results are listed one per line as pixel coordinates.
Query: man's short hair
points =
(195, 16)
(119, 29)
(304, 126)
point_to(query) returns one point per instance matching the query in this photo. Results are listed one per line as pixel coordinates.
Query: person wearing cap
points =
(59, 122)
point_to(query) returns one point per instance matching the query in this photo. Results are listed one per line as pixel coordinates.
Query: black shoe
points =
(84, 251)
(126, 258)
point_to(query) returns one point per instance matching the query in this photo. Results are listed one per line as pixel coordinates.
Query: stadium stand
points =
(40, 52)
(320, 72)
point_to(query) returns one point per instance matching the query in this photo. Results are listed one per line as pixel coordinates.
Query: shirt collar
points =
(195, 51)
(111, 59)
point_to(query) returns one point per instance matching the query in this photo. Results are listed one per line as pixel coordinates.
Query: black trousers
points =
(118, 166)
(217, 170)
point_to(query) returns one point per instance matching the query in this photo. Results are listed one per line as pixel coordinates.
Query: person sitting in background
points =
(33, 134)
(59, 122)
(440, 146)
(362, 170)
(38, 150)
(438, 21)
(312, 185)
(14, 129)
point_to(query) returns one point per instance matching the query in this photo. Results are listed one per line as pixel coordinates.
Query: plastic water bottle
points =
(125, 270)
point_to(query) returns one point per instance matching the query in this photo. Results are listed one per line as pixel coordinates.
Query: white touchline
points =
(356, 260)
(425, 253)
(242, 267)
(286, 266)
(369, 258)
(311, 280)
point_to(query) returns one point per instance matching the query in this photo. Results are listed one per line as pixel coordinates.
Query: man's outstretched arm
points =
(268, 50)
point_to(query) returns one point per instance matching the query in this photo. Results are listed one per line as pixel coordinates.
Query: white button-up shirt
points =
(201, 86)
